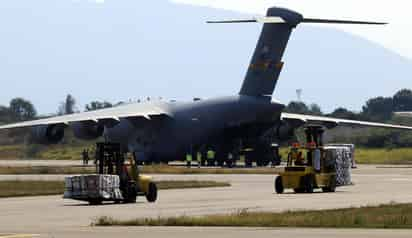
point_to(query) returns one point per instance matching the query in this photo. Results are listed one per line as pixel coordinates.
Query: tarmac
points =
(51, 216)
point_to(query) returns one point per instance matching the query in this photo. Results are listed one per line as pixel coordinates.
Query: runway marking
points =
(400, 179)
(19, 235)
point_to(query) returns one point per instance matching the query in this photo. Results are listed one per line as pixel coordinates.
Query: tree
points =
(402, 101)
(344, 114)
(96, 105)
(378, 109)
(22, 110)
(297, 107)
(4, 114)
(68, 106)
(314, 109)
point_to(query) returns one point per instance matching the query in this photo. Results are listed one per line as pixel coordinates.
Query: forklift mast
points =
(314, 134)
(109, 158)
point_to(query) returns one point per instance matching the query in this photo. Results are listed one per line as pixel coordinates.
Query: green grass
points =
(41, 188)
(391, 216)
(182, 170)
(384, 156)
(19, 170)
(145, 170)
(64, 152)
(165, 185)
(30, 188)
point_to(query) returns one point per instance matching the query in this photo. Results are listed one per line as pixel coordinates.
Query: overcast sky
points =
(397, 36)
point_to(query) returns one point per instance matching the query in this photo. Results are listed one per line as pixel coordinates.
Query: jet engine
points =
(87, 130)
(47, 134)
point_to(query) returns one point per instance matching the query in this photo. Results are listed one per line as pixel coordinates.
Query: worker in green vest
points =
(210, 157)
(199, 159)
(188, 160)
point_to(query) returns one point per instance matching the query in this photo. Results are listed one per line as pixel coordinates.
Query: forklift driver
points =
(295, 156)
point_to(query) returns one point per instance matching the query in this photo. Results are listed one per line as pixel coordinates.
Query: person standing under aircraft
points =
(85, 155)
(188, 159)
(199, 159)
(210, 157)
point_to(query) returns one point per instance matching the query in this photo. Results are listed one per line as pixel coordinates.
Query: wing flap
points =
(333, 122)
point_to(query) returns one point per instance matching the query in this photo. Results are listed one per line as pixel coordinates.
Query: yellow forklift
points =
(117, 179)
(317, 170)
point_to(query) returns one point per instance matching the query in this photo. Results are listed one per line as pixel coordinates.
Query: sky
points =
(396, 36)
(117, 50)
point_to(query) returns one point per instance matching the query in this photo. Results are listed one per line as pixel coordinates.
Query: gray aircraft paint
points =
(266, 64)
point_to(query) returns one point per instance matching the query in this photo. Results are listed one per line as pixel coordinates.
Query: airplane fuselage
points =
(190, 124)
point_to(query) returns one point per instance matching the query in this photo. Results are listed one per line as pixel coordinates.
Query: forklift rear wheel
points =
(151, 195)
(279, 185)
(308, 181)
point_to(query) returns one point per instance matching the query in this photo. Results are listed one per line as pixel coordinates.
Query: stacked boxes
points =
(343, 164)
(93, 187)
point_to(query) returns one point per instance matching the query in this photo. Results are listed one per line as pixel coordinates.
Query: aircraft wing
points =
(333, 122)
(146, 110)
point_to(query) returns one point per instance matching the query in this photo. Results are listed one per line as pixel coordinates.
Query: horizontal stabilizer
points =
(275, 20)
(280, 20)
(326, 21)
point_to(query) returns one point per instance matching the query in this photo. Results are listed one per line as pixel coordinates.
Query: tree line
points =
(378, 109)
(20, 109)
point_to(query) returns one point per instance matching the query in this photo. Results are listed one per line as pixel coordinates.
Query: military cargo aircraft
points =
(165, 131)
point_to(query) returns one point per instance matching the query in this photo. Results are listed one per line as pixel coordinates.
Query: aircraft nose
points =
(291, 17)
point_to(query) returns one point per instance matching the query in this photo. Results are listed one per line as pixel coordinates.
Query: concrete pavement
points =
(52, 216)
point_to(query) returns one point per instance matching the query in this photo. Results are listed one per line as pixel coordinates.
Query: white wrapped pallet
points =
(101, 187)
(343, 164)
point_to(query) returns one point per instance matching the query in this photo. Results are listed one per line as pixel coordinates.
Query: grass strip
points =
(164, 185)
(30, 188)
(20, 170)
(157, 169)
(22, 188)
(392, 216)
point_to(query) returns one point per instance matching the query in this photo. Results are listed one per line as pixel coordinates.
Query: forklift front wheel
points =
(151, 195)
(279, 185)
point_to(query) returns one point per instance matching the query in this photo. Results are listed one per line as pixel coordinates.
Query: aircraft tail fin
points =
(266, 64)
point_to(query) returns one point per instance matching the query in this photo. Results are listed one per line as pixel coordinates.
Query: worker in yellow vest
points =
(189, 160)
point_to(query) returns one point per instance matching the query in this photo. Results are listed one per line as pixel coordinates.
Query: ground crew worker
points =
(85, 155)
(199, 159)
(188, 160)
(210, 157)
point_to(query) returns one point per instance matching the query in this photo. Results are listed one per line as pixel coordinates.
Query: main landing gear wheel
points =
(279, 185)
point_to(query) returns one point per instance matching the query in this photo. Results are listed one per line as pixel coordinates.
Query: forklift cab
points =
(308, 167)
